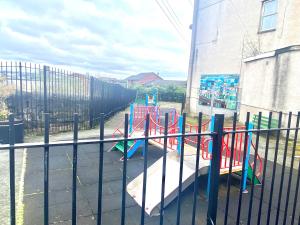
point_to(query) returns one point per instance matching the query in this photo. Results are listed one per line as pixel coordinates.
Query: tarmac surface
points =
(30, 178)
(60, 188)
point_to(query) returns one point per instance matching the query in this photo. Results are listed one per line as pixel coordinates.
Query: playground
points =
(60, 174)
(159, 118)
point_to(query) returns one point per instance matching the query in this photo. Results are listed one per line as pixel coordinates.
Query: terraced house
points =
(246, 56)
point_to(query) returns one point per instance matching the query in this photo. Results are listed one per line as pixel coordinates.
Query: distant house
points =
(143, 79)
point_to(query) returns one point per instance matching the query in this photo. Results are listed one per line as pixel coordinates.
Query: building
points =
(246, 54)
(142, 79)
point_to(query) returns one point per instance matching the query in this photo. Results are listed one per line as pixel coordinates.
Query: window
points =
(268, 15)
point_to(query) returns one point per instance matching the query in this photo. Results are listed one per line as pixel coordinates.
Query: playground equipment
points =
(137, 120)
(150, 99)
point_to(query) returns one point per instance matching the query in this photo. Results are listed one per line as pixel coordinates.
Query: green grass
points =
(194, 120)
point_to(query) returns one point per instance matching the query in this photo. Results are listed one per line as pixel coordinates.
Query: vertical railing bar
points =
(145, 170)
(46, 170)
(197, 167)
(2, 70)
(76, 91)
(67, 99)
(264, 169)
(12, 170)
(84, 99)
(26, 96)
(11, 73)
(45, 89)
(40, 98)
(291, 170)
(21, 90)
(31, 96)
(215, 165)
(6, 74)
(36, 99)
(100, 182)
(162, 198)
(243, 169)
(55, 95)
(254, 168)
(180, 170)
(16, 79)
(70, 97)
(48, 81)
(283, 168)
(74, 167)
(123, 211)
(71, 94)
(50, 96)
(297, 184)
(52, 92)
(274, 168)
(229, 178)
(64, 98)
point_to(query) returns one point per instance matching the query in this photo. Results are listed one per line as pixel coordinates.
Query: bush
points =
(170, 93)
(5, 92)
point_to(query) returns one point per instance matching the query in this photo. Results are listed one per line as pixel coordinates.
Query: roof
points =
(143, 78)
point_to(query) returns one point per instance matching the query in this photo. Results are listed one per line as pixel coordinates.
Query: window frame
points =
(262, 16)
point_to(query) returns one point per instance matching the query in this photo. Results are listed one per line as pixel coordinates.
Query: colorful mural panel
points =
(222, 87)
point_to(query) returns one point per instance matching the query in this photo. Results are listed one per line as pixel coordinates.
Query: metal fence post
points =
(250, 127)
(12, 170)
(180, 121)
(210, 146)
(147, 100)
(46, 169)
(215, 170)
(21, 90)
(91, 102)
(45, 88)
(131, 117)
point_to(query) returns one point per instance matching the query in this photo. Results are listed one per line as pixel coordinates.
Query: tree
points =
(5, 91)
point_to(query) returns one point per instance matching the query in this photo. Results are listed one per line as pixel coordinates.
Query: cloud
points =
(119, 38)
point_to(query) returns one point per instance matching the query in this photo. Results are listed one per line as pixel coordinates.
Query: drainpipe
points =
(192, 55)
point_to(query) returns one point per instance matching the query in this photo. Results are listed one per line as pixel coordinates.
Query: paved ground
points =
(60, 190)
(61, 178)
(20, 157)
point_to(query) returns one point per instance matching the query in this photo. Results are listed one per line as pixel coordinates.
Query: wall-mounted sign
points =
(222, 88)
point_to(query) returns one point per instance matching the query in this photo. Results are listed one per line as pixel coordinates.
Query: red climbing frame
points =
(157, 129)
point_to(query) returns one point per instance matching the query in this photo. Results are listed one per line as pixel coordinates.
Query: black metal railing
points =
(215, 212)
(40, 89)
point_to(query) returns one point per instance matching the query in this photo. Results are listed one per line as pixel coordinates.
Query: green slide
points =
(132, 147)
(120, 145)
(249, 176)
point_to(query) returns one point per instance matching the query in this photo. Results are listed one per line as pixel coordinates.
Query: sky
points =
(115, 38)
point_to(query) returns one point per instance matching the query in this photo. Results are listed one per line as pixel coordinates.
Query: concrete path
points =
(20, 167)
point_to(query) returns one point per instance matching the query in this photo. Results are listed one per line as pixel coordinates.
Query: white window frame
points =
(263, 15)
